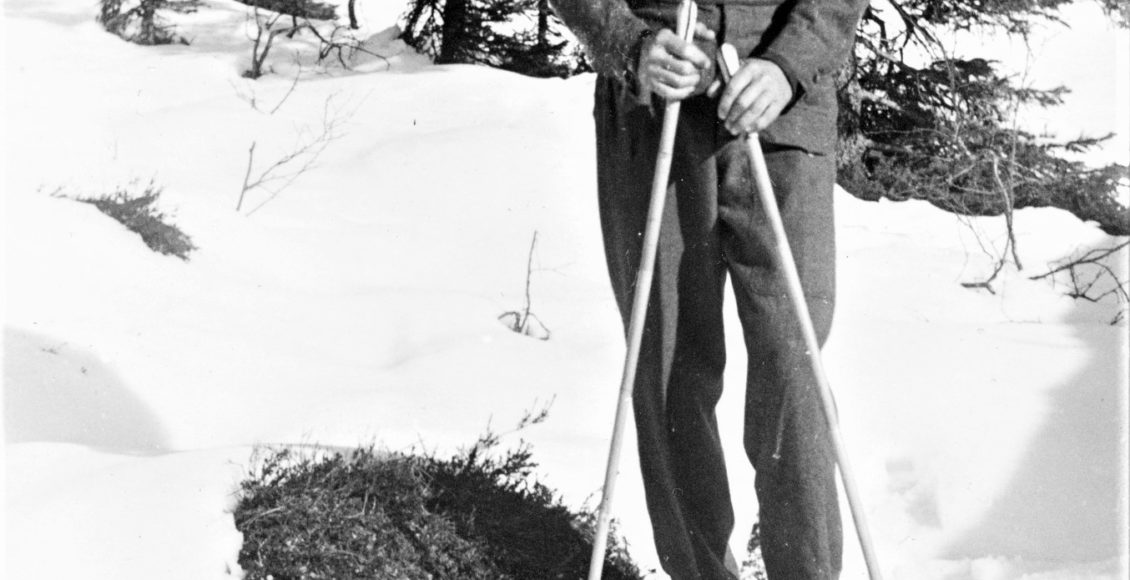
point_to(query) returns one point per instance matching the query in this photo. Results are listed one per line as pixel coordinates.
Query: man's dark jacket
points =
(808, 39)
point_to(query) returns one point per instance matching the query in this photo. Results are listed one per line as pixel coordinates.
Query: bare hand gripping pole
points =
(685, 29)
(729, 62)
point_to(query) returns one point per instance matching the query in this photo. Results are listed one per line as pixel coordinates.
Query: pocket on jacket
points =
(810, 123)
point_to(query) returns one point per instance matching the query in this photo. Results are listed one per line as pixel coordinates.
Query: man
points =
(713, 227)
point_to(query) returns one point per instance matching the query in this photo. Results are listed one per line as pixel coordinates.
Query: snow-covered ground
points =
(361, 306)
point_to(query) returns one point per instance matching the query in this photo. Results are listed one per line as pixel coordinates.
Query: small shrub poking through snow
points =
(138, 21)
(473, 516)
(139, 214)
(523, 321)
(358, 517)
(297, 8)
(526, 530)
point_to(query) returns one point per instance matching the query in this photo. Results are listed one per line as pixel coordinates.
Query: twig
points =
(334, 44)
(1006, 193)
(281, 174)
(246, 176)
(290, 90)
(1120, 288)
(987, 283)
(522, 319)
(532, 418)
(1091, 257)
(260, 46)
(529, 270)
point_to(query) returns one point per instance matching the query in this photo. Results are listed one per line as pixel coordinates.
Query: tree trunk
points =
(543, 23)
(353, 15)
(411, 23)
(454, 26)
(148, 32)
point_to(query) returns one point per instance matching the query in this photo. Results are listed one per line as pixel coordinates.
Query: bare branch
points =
(523, 321)
(246, 176)
(1090, 257)
(281, 173)
(265, 33)
(529, 270)
(290, 90)
(340, 43)
(987, 283)
(1006, 193)
(1098, 260)
(252, 99)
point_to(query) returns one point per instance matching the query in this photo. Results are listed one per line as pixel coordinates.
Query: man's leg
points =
(679, 379)
(786, 433)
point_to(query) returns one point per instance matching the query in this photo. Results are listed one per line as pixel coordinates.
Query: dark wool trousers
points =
(714, 226)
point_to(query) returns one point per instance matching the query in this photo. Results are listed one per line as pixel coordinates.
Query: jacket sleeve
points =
(815, 40)
(608, 30)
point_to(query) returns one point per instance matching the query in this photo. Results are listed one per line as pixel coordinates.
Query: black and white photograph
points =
(565, 289)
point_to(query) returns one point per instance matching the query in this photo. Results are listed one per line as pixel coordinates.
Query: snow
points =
(360, 305)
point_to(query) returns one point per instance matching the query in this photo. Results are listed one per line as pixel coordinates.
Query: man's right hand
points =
(673, 68)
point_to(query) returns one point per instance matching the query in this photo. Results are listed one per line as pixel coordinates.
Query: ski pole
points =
(685, 28)
(729, 62)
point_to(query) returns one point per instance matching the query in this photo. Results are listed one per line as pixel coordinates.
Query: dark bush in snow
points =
(524, 36)
(296, 8)
(139, 214)
(138, 21)
(365, 515)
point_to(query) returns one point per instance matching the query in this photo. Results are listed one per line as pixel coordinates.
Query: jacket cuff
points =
(629, 50)
(786, 67)
(632, 64)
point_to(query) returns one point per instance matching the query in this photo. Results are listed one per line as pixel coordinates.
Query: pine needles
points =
(477, 515)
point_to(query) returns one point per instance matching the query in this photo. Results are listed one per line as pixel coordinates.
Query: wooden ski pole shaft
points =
(729, 66)
(685, 28)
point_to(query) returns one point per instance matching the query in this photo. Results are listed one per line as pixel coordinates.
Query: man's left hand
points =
(754, 97)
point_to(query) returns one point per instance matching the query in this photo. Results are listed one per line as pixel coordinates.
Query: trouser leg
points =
(713, 223)
(679, 378)
(786, 433)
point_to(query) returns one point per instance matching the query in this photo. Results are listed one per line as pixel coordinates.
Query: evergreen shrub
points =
(369, 515)
(139, 214)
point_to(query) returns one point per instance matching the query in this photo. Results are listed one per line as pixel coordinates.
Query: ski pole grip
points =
(688, 15)
(728, 60)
